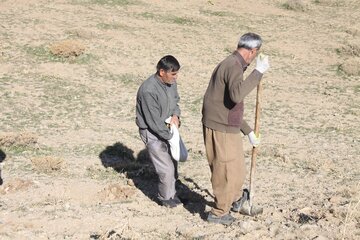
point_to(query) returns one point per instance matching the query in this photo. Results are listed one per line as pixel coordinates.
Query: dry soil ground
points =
(73, 164)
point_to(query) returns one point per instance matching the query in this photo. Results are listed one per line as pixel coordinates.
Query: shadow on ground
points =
(142, 172)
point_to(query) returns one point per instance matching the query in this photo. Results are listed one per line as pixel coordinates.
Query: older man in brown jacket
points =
(223, 109)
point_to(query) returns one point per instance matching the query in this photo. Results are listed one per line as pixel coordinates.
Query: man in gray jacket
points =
(157, 99)
(223, 109)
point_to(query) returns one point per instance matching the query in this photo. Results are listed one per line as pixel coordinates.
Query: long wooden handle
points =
(254, 150)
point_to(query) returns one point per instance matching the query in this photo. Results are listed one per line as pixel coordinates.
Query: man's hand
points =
(254, 140)
(175, 120)
(262, 63)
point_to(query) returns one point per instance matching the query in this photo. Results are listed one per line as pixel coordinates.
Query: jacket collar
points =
(241, 60)
(158, 80)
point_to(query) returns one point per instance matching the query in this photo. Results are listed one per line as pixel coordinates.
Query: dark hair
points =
(168, 63)
(2, 156)
(250, 41)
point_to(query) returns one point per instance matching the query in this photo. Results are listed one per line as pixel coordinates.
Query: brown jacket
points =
(223, 104)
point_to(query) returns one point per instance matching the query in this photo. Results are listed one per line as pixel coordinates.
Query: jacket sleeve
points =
(239, 88)
(245, 128)
(176, 111)
(151, 111)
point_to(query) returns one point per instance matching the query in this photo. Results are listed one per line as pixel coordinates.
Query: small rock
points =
(274, 230)
(186, 230)
(67, 206)
(309, 227)
(268, 221)
(130, 182)
(306, 210)
(277, 216)
(248, 226)
(320, 237)
(335, 199)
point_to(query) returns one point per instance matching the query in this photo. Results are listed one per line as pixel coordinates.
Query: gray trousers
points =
(165, 166)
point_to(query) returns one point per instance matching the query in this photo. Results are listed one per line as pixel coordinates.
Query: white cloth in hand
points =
(254, 140)
(177, 147)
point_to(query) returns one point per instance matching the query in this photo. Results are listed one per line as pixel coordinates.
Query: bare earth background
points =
(73, 164)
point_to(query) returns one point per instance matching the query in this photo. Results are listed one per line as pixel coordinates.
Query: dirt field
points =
(74, 166)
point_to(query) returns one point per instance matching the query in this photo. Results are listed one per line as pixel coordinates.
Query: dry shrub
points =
(330, 3)
(296, 5)
(121, 231)
(351, 66)
(67, 48)
(47, 164)
(352, 50)
(108, 235)
(115, 192)
(353, 31)
(306, 215)
(15, 185)
(18, 139)
(81, 33)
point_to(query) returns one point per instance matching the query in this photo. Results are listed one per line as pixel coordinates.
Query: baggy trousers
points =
(225, 155)
(165, 166)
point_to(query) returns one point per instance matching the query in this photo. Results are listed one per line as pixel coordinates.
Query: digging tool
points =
(255, 149)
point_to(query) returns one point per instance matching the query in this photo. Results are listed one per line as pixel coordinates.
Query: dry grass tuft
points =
(352, 50)
(18, 139)
(295, 5)
(67, 48)
(352, 217)
(47, 164)
(81, 33)
(351, 66)
(121, 231)
(15, 185)
(352, 31)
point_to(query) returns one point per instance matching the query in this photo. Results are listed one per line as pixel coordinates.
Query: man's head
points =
(167, 69)
(249, 46)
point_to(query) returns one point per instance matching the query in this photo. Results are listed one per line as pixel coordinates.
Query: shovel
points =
(255, 149)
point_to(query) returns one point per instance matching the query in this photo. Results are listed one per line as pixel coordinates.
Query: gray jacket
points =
(156, 101)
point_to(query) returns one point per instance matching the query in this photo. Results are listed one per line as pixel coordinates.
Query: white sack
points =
(177, 146)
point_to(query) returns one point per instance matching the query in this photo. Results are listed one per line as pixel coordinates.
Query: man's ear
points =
(161, 72)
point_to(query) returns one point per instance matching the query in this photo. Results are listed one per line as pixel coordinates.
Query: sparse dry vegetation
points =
(22, 139)
(67, 48)
(15, 185)
(47, 164)
(116, 192)
(295, 5)
(351, 66)
(74, 166)
(350, 50)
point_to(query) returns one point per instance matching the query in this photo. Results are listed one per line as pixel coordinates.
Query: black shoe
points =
(242, 206)
(179, 186)
(225, 220)
(183, 192)
(236, 206)
(171, 203)
(246, 209)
